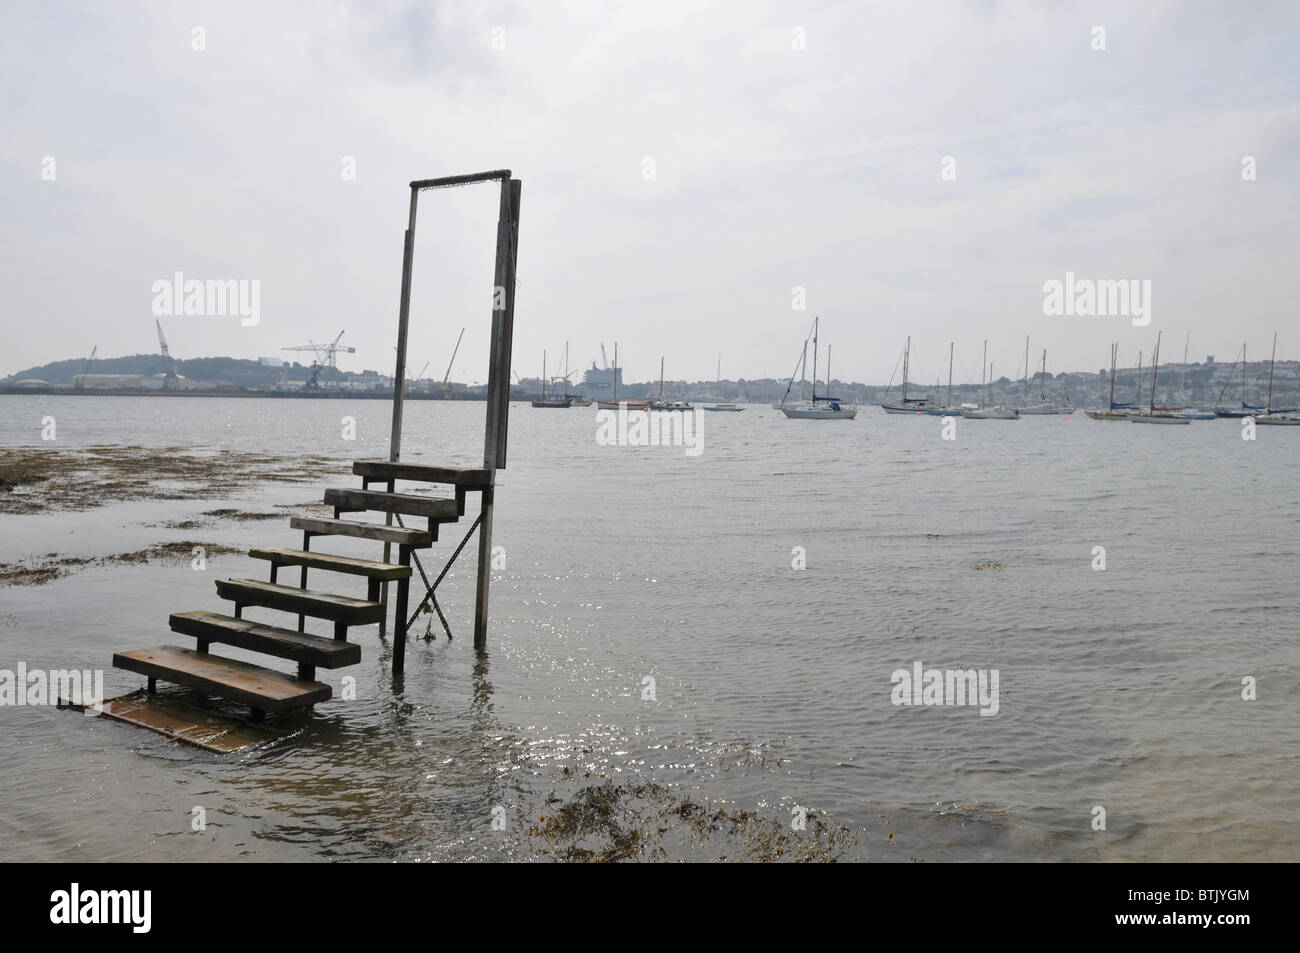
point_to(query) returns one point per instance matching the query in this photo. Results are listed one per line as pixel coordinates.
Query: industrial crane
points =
(443, 388)
(162, 344)
(326, 356)
(86, 370)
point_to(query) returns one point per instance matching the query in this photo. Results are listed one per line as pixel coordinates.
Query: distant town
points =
(1201, 383)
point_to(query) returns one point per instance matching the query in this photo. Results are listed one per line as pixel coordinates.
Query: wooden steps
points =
(264, 689)
(267, 690)
(318, 605)
(281, 556)
(312, 650)
(408, 504)
(377, 531)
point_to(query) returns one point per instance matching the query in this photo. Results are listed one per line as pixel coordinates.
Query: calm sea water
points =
(1120, 689)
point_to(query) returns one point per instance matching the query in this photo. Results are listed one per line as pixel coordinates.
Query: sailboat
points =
(825, 407)
(1277, 418)
(550, 402)
(1246, 410)
(1191, 413)
(660, 403)
(906, 405)
(989, 412)
(1044, 406)
(1154, 416)
(951, 409)
(718, 405)
(801, 368)
(615, 404)
(1114, 411)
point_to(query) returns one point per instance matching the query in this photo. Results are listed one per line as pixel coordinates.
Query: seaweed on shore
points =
(43, 479)
(52, 566)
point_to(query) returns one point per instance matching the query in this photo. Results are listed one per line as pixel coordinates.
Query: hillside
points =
(230, 371)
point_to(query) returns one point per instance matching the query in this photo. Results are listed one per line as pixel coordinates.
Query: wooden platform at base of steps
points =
(262, 688)
(211, 731)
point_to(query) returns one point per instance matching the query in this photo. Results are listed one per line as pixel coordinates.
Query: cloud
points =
(774, 167)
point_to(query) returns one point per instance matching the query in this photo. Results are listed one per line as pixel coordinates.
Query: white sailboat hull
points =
(990, 413)
(1158, 419)
(819, 413)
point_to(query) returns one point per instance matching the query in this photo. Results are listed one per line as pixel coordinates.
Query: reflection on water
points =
(772, 685)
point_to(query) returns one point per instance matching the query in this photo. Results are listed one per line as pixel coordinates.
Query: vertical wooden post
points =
(399, 622)
(498, 409)
(399, 374)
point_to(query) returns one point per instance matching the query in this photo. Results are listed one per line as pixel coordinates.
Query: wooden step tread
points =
(268, 639)
(469, 477)
(241, 682)
(408, 504)
(318, 605)
(361, 530)
(283, 556)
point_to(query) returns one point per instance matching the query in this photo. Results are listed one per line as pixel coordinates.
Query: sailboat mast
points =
(907, 352)
(1137, 391)
(543, 375)
(718, 386)
(1182, 383)
(828, 372)
(984, 366)
(616, 371)
(1272, 360)
(951, 345)
(661, 377)
(803, 369)
(1026, 369)
(1042, 383)
(814, 381)
(1155, 371)
(1113, 349)
(566, 368)
(1243, 375)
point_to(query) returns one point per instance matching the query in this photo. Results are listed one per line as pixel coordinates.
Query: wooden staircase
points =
(268, 690)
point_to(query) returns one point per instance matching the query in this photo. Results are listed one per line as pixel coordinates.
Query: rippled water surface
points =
(1120, 689)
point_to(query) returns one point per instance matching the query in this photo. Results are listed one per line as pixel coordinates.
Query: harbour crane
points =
(603, 359)
(81, 383)
(326, 356)
(443, 388)
(162, 345)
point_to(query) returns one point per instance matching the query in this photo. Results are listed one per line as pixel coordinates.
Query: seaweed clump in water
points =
(649, 821)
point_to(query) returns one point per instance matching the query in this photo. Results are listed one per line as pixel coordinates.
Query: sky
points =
(913, 169)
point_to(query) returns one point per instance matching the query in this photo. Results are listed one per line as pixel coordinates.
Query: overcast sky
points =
(774, 166)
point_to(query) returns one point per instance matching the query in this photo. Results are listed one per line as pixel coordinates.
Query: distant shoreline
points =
(300, 395)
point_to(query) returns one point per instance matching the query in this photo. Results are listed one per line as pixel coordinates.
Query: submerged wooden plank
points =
(204, 729)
